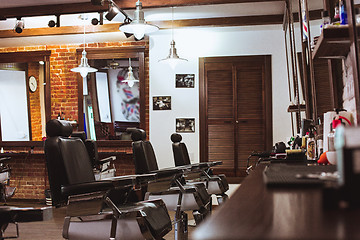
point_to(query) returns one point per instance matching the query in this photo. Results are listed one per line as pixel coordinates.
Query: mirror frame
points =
(114, 53)
(31, 56)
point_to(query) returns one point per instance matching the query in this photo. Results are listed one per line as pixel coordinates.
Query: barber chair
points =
(5, 190)
(103, 209)
(177, 196)
(215, 184)
(15, 215)
(103, 168)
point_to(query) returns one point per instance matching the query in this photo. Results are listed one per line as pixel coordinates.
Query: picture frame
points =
(162, 103)
(185, 80)
(185, 125)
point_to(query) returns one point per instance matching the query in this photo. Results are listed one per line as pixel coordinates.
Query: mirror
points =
(25, 90)
(109, 104)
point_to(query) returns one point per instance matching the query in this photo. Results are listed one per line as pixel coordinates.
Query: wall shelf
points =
(333, 43)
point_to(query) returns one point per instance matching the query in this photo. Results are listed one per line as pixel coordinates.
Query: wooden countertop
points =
(257, 212)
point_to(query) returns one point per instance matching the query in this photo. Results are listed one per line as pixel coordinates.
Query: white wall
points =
(192, 44)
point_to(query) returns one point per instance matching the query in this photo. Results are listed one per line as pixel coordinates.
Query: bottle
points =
(325, 18)
(336, 20)
(343, 13)
(310, 148)
(58, 117)
(357, 16)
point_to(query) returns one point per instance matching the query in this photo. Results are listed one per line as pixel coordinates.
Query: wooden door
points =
(235, 111)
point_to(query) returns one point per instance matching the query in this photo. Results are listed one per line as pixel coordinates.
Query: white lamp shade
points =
(84, 67)
(138, 29)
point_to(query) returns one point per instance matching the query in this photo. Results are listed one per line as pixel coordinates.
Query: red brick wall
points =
(29, 172)
(34, 100)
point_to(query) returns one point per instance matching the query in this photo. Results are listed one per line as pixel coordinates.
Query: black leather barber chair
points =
(215, 184)
(103, 168)
(177, 196)
(98, 209)
(5, 190)
(15, 215)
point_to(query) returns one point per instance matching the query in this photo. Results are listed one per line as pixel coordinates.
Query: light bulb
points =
(130, 83)
(83, 72)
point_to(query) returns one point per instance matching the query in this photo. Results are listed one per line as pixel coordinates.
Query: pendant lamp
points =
(130, 80)
(173, 58)
(138, 26)
(84, 67)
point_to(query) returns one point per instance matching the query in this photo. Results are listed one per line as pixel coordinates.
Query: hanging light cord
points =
(172, 23)
(84, 30)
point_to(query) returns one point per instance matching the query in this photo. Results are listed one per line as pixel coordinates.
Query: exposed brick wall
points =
(34, 100)
(29, 172)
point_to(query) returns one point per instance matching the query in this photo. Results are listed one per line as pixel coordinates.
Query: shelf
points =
(333, 43)
(295, 108)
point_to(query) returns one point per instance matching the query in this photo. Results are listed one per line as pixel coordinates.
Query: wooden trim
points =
(202, 113)
(114, 27)
(268, 103)
(72, 8)
(354, 54)
(113, 53)
(22, 144)
(30, 56)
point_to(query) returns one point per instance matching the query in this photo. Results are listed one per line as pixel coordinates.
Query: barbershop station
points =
(180, 119)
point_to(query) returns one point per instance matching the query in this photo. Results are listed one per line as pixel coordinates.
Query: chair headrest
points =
(56, 127)
(81, 135)
(138, 134)
(175, 137)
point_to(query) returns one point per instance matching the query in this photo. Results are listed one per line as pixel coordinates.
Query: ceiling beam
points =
(74, 8)
(114, 27)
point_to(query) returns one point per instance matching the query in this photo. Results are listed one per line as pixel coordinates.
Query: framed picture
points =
(185, 125)
(162, 103)
(184, 80)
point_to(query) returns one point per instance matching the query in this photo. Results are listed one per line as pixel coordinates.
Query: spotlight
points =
(97, 2)
(100, 21)
(19, 26)
(113, 11)
(52, 23)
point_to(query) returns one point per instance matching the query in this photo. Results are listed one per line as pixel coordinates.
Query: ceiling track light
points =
(100, 21)
(113, 11)
(19, 25)
(52, 23)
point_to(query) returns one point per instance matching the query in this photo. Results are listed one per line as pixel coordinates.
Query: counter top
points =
(255, 211)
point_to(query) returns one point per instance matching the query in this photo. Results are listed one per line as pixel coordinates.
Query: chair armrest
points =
(108, 159)
(175, 172)
(136, 178)
(95, 186)
(4, 159)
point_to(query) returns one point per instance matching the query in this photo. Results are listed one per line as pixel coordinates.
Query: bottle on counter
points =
(325, 19)
(343, 13)
(310, 147)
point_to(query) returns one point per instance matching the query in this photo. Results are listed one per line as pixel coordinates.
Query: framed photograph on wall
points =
(185, 125)
(185, 80)
(162, 103)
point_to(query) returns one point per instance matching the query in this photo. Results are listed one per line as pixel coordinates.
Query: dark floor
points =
(52, 229)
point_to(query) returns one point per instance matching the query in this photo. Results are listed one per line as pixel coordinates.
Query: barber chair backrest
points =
(66, 158)
(181, 155)
(143, 152)
(91, 146)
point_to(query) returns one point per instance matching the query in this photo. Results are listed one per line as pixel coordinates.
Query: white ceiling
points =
(151, 14)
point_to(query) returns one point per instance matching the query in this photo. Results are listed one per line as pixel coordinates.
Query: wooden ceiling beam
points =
(114, 27)
(74, 8)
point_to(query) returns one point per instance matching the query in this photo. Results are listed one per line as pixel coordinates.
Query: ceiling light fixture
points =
(19, 25)
(113, 11)
(138, 26)
(130, 80)
(84, 67)
(173, 58)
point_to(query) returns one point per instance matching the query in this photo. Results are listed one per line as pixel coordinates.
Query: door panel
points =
(235, 110)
